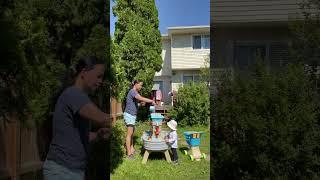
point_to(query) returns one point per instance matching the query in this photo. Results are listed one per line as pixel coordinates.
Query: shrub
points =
(266, 126)
(105, 156)
(192, 106)
(117, 149)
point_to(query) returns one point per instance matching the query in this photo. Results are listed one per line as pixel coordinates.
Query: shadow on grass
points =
(181, 149)
(154, 155)
(157, 156)
(141, 151)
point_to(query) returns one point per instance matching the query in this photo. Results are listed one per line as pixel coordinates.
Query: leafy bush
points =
(192, 106)
(267, 126)
(105, 156)
(117, 149)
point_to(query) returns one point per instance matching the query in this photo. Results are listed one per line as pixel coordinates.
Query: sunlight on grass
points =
(158, 168)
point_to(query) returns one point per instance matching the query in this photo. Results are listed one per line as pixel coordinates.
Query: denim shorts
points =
(54, 171)
(129, 119)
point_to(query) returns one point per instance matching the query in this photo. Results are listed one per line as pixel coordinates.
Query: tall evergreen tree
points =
(29, 73)
(42, 38)
(39, 40)
(137, 43)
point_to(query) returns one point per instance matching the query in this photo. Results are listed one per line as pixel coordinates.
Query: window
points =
(196, 78)
(206, 42)
(274, 53)
(201, 42)
(246, 55)
(196, 42)
(191, 77)
(160, 83)
(278, 54)
(187, 79)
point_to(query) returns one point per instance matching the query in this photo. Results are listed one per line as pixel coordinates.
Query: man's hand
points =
(104, 133)
(143, 103)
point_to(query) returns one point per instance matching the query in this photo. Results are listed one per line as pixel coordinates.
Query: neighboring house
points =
(184, 50)
(247, 29)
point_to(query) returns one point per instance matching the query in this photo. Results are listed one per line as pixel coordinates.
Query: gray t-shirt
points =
(132, 102)
(70, 141)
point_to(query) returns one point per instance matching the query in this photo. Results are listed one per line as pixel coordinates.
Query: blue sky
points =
(176, 13)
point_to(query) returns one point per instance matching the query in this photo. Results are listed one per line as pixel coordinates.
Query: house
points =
(184, 50)
(245, 30)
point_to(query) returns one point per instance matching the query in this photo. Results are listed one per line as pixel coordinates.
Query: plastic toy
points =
(193, 140)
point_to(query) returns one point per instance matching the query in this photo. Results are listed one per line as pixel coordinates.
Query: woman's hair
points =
(136, 82)
(87, 63)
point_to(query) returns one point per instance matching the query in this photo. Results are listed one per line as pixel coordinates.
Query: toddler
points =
(172, 139)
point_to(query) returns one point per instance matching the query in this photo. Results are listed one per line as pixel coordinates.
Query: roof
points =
(188, 29)
(165, 36)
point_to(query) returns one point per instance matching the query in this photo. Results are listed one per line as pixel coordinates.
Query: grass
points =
(158, 168)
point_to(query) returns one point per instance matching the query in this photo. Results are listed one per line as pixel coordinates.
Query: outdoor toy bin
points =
(193, 140)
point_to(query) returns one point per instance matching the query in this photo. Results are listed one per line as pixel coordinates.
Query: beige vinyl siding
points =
(228, 11)
(183, 56)
(166, 57)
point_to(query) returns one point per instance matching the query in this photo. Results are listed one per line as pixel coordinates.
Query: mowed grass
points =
(158, 168)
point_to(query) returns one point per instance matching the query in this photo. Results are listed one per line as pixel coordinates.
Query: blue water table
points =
(153, 140)
(193, 139)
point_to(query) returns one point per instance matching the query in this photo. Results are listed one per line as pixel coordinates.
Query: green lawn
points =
(158, 168)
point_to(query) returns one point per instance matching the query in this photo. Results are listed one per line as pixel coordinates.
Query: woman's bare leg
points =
(129, 139)
(132, 148)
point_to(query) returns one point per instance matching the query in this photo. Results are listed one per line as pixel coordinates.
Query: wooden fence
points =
(22, 148)
(19, 157)
(116, 109)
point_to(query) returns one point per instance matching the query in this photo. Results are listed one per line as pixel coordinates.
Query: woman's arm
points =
(141, 98)
(92, 136)
(92, 112)
(102, 133)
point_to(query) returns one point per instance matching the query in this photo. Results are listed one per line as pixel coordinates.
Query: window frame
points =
(193, 75)
(265, 43)
(201, 41)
